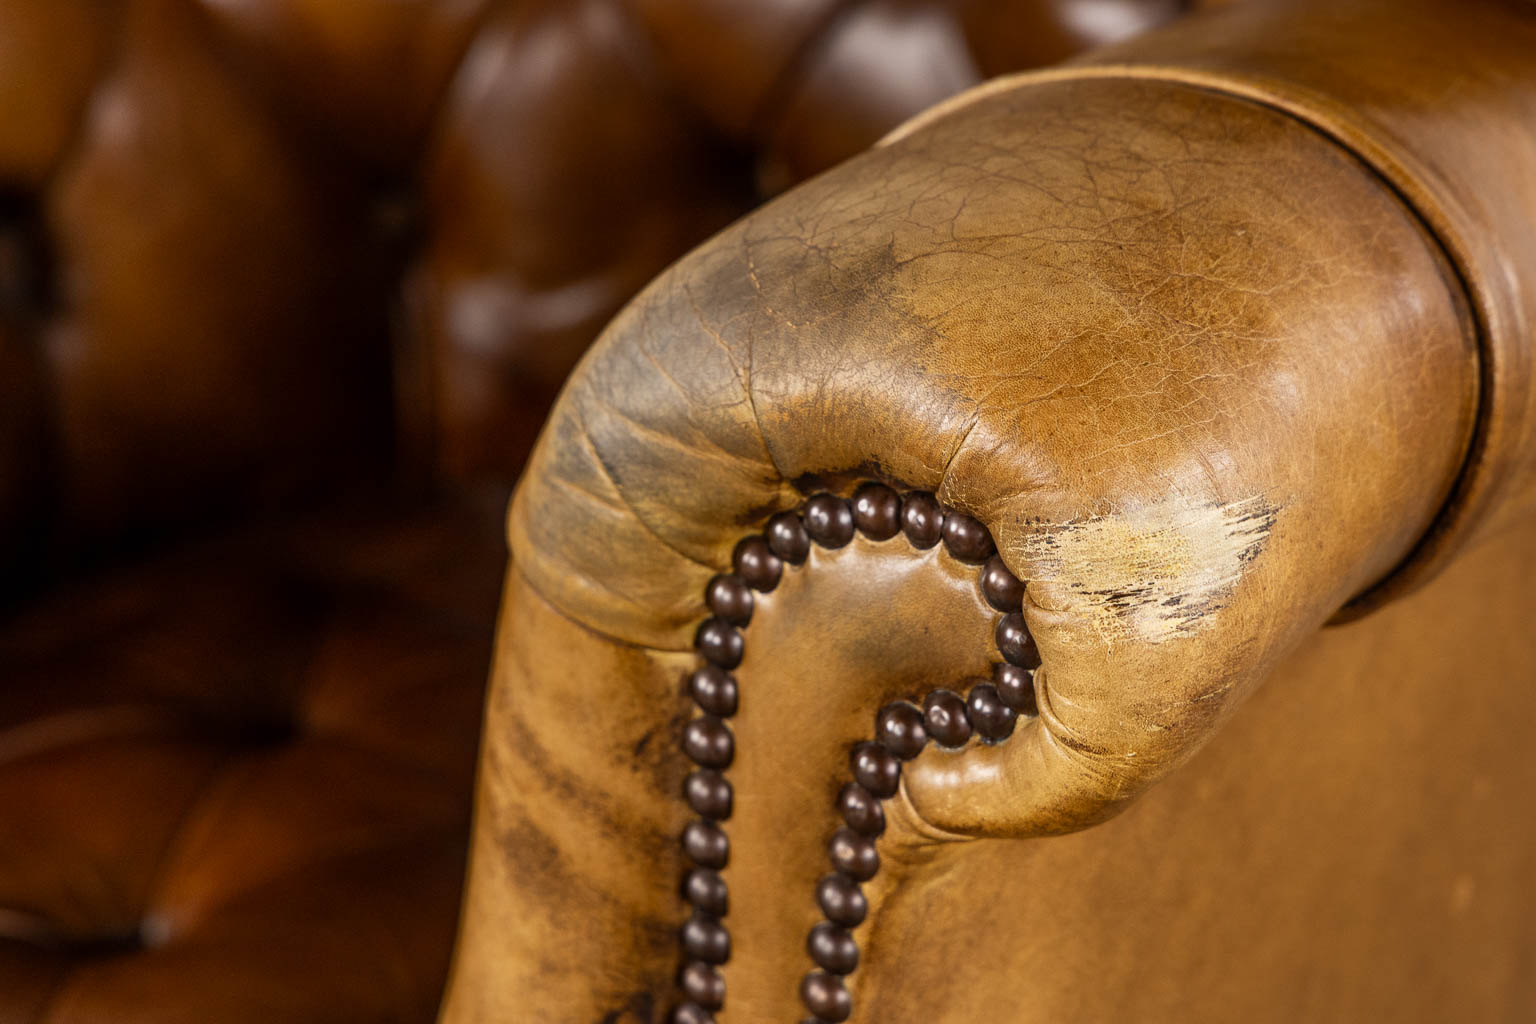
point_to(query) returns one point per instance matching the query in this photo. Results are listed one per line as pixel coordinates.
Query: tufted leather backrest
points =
(193, 309)
(251, 247)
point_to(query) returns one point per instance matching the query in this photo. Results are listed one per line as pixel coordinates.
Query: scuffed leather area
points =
(234, 778)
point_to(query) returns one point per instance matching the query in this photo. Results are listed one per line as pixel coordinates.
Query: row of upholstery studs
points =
(989, 711)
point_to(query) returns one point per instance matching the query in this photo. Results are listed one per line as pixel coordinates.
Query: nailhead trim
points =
(989, 712)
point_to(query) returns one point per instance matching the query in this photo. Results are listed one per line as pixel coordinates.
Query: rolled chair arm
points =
(1205, 369)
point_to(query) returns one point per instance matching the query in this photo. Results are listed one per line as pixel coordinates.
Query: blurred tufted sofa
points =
(1000, 483)
(286, 289)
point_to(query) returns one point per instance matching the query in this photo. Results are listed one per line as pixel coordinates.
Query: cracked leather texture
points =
(1208, 372)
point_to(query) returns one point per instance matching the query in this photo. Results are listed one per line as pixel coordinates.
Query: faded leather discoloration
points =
(1199, 369)
(1147, 575)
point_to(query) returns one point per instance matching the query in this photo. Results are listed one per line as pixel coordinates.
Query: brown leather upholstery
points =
(232, 782)
(258, 257)
(1214, 334)
(302, 179)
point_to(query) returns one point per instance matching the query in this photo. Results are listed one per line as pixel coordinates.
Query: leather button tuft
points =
(877, 511)
(944, 718)
(709, 794)
(966, 538)
(706, 845)
(829, 521)
(706, 939)
(876, 769)
(832, 948)
(899, 728)
(922, 519)
(826, 996)
(1014, 642)
(861, 809)
(703, 984)
(707, 892)
(854, 855)
(756, 564)
(1016, 687)
(730, 599)
(990, 717)
(720, 643)
(787, 537)
(714, 690)
(841, 899)
(708, 742)
(1000, 587)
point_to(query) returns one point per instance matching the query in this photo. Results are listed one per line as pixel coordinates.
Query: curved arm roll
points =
(1206, 372)
(1201, 372)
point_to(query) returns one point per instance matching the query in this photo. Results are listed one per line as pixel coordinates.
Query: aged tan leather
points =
(1212, 337)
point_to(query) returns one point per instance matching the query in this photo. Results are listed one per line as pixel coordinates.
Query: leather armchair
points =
(1001, 482)
(286, 289)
